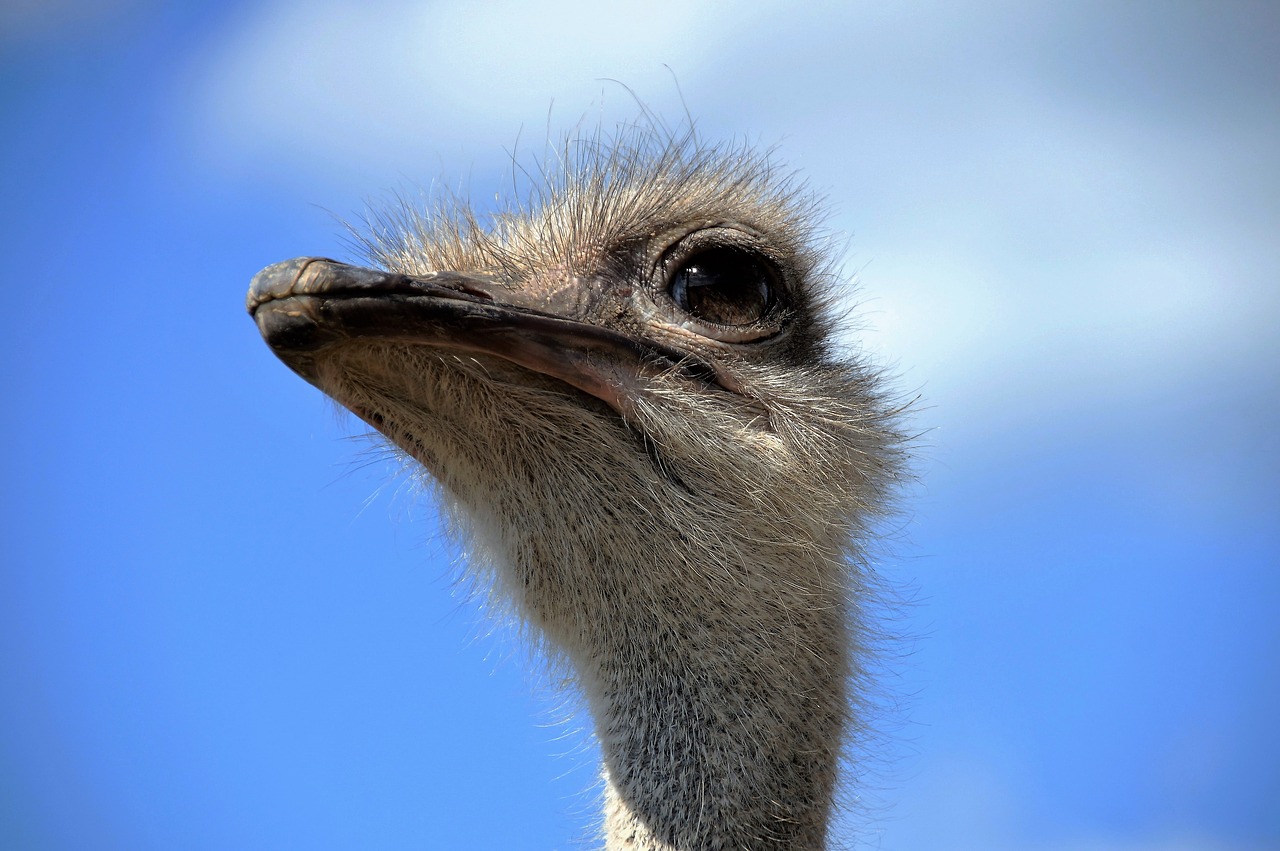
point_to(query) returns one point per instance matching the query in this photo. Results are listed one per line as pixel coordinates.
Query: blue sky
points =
(222, 625)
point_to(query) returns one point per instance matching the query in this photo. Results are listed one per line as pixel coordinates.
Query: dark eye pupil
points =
(724, 286)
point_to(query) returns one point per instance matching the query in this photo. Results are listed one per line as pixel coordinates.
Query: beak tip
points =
(279, 280)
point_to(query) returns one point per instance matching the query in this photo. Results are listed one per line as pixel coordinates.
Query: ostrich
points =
(625, 389)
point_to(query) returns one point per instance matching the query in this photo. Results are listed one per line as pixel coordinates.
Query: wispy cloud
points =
(328, 85)
(1041, 211)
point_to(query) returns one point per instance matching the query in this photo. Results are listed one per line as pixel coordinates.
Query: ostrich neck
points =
(720, 716)
(704, 610)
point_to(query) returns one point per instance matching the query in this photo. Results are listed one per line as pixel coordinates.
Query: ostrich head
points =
(626, 389)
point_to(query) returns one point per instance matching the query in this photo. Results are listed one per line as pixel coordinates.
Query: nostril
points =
(466, 284)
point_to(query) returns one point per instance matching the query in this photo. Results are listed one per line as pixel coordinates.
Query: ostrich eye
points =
(724, 286)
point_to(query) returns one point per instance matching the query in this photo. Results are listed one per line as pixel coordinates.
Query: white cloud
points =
(1032, 241)
(330, 85)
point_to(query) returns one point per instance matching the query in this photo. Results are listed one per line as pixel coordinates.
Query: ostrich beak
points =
(304, 305)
